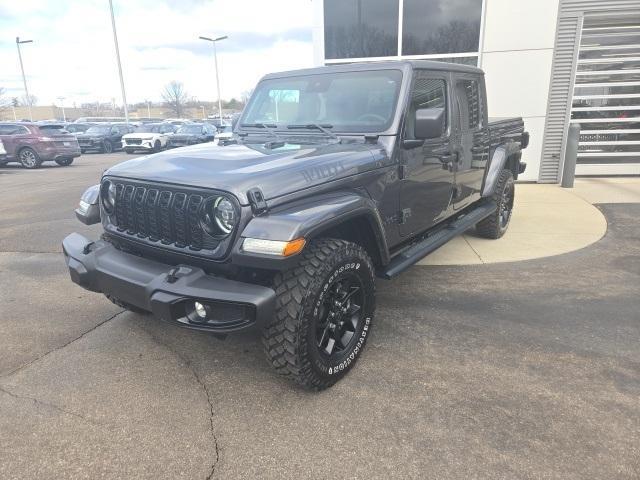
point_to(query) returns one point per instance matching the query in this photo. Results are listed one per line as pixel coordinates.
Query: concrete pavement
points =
(508, 370)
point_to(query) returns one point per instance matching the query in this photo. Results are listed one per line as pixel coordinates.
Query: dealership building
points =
(552, 62)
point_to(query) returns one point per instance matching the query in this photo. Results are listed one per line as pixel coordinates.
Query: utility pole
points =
(215, 59)
(115, 41)
(64, 116)
(24, 78)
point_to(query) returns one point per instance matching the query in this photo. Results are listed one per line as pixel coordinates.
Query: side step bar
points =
(424, 247)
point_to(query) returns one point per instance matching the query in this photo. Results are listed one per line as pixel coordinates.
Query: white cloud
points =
(73, 53)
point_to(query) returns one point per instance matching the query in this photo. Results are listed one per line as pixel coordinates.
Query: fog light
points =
(200, 310)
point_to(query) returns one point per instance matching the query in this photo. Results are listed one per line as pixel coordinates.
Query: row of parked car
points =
(30, 144)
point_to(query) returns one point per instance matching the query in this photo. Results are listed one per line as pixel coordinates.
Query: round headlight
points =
(218, 216)
(225, 214)
(108, 196)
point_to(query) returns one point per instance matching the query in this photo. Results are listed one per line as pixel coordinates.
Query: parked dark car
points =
(192, 133)
(31, 144)
(358, 171)
(104, 138)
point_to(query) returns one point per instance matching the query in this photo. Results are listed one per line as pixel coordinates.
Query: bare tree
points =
(24, 100)
(175, 97)
(4, 101)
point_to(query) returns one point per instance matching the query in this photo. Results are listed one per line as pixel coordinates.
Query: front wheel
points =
(324, 313)
(29, 158)
(107, 147)
(157, 146)
(495, 225)
(64, 162)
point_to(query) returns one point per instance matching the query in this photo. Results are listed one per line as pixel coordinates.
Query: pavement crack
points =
(205, 389)
(52, 406)
(46, 354)
(474, 250)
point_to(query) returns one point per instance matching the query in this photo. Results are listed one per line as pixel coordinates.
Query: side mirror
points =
(429, 123)
(88, 212)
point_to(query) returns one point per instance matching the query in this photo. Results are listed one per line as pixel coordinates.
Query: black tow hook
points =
(87, 248)
(176, 272)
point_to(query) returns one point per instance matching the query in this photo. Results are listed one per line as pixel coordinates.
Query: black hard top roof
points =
(380, 65)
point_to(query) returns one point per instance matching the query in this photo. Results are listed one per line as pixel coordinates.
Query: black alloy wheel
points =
(340, 316)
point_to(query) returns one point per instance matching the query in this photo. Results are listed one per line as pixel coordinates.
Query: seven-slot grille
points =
(159, 213)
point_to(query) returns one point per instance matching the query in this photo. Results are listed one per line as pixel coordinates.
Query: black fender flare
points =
(498, 160)
(308, 218)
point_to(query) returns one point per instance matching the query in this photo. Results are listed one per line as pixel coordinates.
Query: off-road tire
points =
(495, 225)
(64, 162)
(127, 306)
(29, 158)
(290, 339)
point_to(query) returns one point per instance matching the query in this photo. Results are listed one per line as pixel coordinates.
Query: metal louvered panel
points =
(560, 92)
(570, 19)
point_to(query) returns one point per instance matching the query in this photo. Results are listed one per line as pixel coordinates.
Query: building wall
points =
(516, 55)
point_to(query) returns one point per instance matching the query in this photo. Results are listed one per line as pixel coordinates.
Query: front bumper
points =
(168, 292)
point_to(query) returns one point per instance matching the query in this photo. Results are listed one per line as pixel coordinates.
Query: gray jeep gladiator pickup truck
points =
(334, 175)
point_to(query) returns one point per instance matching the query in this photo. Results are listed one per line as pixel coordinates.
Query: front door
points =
(471, 139)
(427, 167)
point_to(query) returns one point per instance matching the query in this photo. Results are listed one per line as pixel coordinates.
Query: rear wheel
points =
(64, 162)
(497, 223)
(29, 158)
(324, 313)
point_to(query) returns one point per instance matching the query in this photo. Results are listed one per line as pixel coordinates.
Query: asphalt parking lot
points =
(514, 370)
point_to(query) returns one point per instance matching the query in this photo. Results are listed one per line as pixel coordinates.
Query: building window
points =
(360, 28)
(440, 26)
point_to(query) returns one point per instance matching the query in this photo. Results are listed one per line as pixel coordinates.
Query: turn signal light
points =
(273, 247)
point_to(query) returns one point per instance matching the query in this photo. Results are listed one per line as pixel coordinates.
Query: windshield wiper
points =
(266, 126)
(324, 128)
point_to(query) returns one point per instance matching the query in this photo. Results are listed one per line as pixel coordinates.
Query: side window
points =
(427, 92)
(468, 103)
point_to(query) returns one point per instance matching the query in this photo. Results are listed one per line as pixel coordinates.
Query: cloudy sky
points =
(73, 52)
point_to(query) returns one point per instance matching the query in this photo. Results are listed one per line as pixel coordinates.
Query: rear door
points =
(426, 167)
(471, 138)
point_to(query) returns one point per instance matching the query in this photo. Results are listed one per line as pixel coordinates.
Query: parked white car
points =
(225, 132)
(151, 137)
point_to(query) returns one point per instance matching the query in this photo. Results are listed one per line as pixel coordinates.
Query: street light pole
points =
(215, 59)
(148, 109)
(64, 116)
(24, 78)
(204, 115)
(115, 41)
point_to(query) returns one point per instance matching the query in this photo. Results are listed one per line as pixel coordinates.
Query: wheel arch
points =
(349, 216)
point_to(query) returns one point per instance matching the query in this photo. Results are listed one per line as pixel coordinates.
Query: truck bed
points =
(503, 129)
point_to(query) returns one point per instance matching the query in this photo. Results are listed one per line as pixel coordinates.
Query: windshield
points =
(53, 129)
(148, 129)
(99, 129)
(190, 129)
(349, 102)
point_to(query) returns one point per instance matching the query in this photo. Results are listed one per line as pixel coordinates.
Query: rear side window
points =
(469, 104)
(13, 130)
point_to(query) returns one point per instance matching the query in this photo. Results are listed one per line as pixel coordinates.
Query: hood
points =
(184, 136)
(240, 167)
(139, 135)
